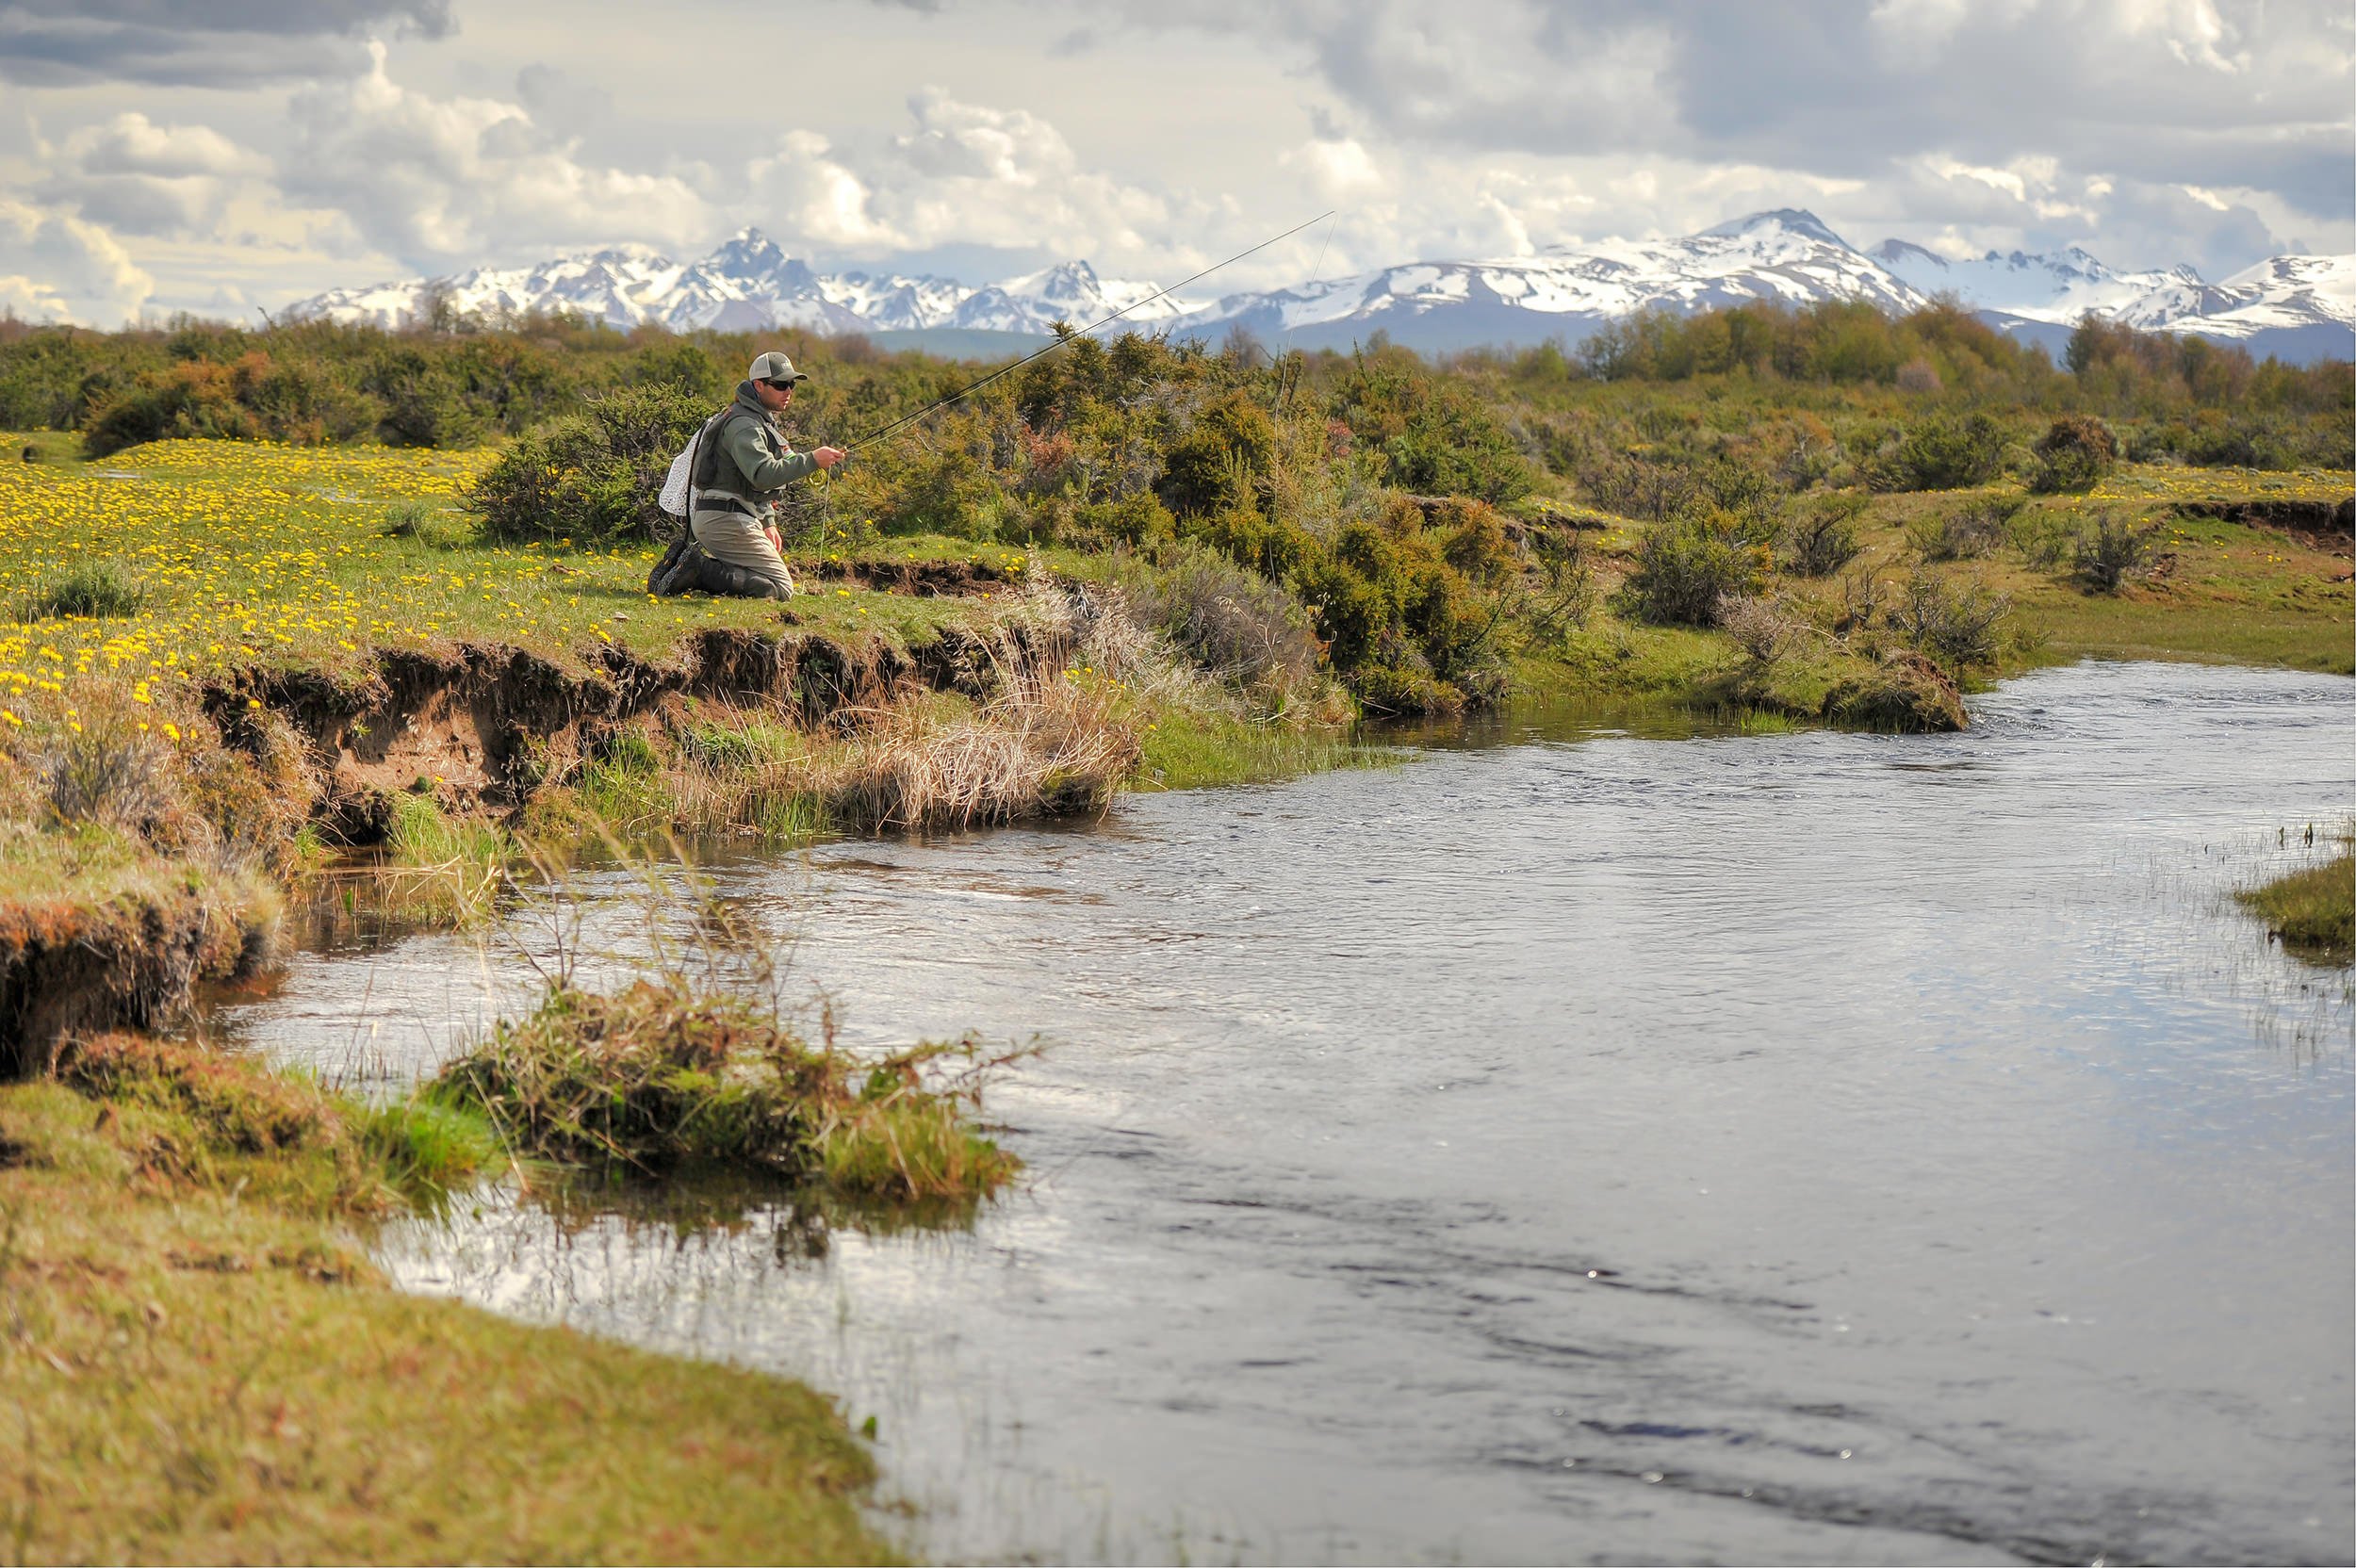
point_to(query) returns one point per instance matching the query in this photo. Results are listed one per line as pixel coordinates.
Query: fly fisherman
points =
(731, 544)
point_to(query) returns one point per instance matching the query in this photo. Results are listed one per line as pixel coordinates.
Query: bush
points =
(591, 478)
(1686, 566)
(1234, 623)
(1824, 538)
(1219, 463)
(1432, 433)
(106, 770)
(1966, 533)
(1955, 625)
(1763, 628)
(2112, 551)
(94, 589)
(2073, 454)
(1945, 452)
(256, 398)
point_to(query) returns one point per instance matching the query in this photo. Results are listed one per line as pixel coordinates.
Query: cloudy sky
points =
(161, 154)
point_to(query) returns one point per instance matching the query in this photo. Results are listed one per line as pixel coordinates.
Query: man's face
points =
(774, 395)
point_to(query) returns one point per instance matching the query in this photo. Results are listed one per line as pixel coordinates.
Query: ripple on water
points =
(1584, 1143)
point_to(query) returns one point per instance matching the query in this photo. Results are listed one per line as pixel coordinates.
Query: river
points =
(1590, 1140)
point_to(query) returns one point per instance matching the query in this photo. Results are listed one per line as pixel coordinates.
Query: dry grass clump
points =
(1044, 745)
(660, 1076)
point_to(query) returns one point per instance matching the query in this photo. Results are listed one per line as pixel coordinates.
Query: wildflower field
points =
(236, 553)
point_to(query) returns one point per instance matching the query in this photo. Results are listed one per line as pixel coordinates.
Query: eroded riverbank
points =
(1830, 1145)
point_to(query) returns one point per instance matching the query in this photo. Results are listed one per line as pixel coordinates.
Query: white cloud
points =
(1339, 169)
(440, 182)
(58, 266)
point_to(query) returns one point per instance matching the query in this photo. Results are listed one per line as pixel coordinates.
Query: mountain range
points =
(2299, 308)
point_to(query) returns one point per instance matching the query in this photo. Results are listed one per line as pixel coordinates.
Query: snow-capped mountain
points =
(2056, 286)
(2299, 308)
(746, 285)
(1783, 255)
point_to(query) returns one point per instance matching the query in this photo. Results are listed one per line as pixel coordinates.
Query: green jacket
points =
(744, 458)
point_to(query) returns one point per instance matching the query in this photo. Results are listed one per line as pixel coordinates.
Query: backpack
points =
(680, 484)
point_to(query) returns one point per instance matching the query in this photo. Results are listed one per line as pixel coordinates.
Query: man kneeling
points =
(742, 464)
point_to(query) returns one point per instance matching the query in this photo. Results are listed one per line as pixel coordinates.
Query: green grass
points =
(202, 1366)
(251, 552)
(1196, 749)
(2312, 910)
(2219, 592)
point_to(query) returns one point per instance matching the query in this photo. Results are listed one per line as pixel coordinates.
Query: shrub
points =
(92, 590)
(256, 397)
(1824, 538)
(1432, 433)
(942, 492)
(1563, 592)
(2043, 536)
(1965, 533)
(1955, 625)
(105, 770)
(591, 478)
(2073, 454)
(1762, 627)
(1946, 453)
(1234, 623)
(1219, 463)
(1687, 565)
(2112, 551)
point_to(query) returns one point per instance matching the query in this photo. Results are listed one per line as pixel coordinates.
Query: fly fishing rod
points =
(1008, 369)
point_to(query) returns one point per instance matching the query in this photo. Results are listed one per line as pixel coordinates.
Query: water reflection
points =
(1577, 1145)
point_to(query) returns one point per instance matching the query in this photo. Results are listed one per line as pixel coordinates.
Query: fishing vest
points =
(720, 484)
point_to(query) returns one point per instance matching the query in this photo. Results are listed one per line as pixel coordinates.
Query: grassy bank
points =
(2311, 911)
(200, 1364)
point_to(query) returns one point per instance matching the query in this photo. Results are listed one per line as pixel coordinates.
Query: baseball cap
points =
(774, 365)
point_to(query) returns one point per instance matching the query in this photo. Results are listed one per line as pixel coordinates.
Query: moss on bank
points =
(200, 1365)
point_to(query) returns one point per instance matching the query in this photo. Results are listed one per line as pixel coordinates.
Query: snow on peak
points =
(1785, 255)
(1794, 220)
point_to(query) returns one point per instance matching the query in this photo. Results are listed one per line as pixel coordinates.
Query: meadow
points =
(278, 603)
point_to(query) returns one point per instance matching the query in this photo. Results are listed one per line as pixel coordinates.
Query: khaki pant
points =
(740, 541)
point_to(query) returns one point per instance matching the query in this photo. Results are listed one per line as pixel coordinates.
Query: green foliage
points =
(1945, 452)
(1686, 566)
(2073, 454)
(92, 588)
(1432, 433)
(1965, 532)
(1223, 461)
(2112, 551)
(1955, 623)
(1824, 537)
(256, 397)
(590, 478)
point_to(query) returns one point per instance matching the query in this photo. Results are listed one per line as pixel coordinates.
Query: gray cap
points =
(774, 365)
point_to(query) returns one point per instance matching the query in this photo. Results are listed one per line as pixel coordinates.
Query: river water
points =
(1589, 1140)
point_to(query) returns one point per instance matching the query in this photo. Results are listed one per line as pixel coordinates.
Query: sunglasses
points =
(778, 386)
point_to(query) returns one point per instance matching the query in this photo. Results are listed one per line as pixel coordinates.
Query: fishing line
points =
(1159, 293)
(1314, 272)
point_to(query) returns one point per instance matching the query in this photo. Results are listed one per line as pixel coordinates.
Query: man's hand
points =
(777, 540)
(827, 457)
